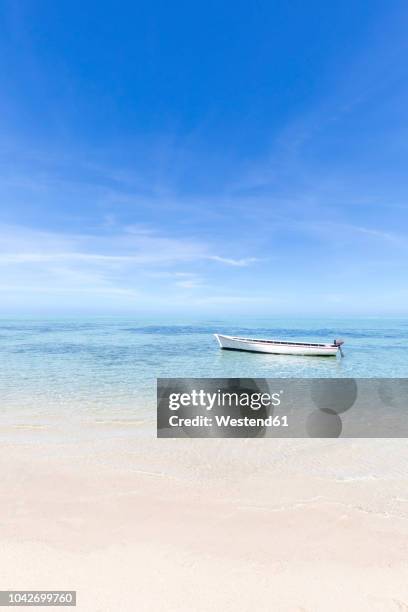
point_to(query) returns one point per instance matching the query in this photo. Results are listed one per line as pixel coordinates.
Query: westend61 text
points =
(228, 421)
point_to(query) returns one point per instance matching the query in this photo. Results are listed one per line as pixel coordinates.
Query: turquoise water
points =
(108, 366)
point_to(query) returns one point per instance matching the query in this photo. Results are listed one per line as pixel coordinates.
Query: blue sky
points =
(204, 157)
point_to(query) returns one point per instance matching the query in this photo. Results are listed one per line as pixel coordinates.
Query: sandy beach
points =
(135, 523)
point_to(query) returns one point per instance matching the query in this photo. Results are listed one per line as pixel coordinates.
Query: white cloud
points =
(229, 261)
(128, 264)
(133, 245)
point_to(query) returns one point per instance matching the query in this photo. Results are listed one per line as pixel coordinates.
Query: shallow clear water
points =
(108, 366)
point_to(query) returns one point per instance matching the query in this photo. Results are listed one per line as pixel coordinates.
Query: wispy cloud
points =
(349, 231)
(131, 245)
(376, 233)
(229, 261)
(127, 263)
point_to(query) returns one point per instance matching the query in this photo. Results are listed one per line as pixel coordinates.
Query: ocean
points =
(107, 367)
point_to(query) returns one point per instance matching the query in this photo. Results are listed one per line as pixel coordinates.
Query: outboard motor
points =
(338, 342)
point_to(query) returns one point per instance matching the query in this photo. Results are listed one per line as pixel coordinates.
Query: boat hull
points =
(233, 343)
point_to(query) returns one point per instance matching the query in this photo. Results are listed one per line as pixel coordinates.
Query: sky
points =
(209, 158)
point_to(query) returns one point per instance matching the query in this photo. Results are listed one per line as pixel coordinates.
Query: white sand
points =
(137, 524)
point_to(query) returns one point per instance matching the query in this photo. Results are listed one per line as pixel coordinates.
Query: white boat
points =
(279, 347)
